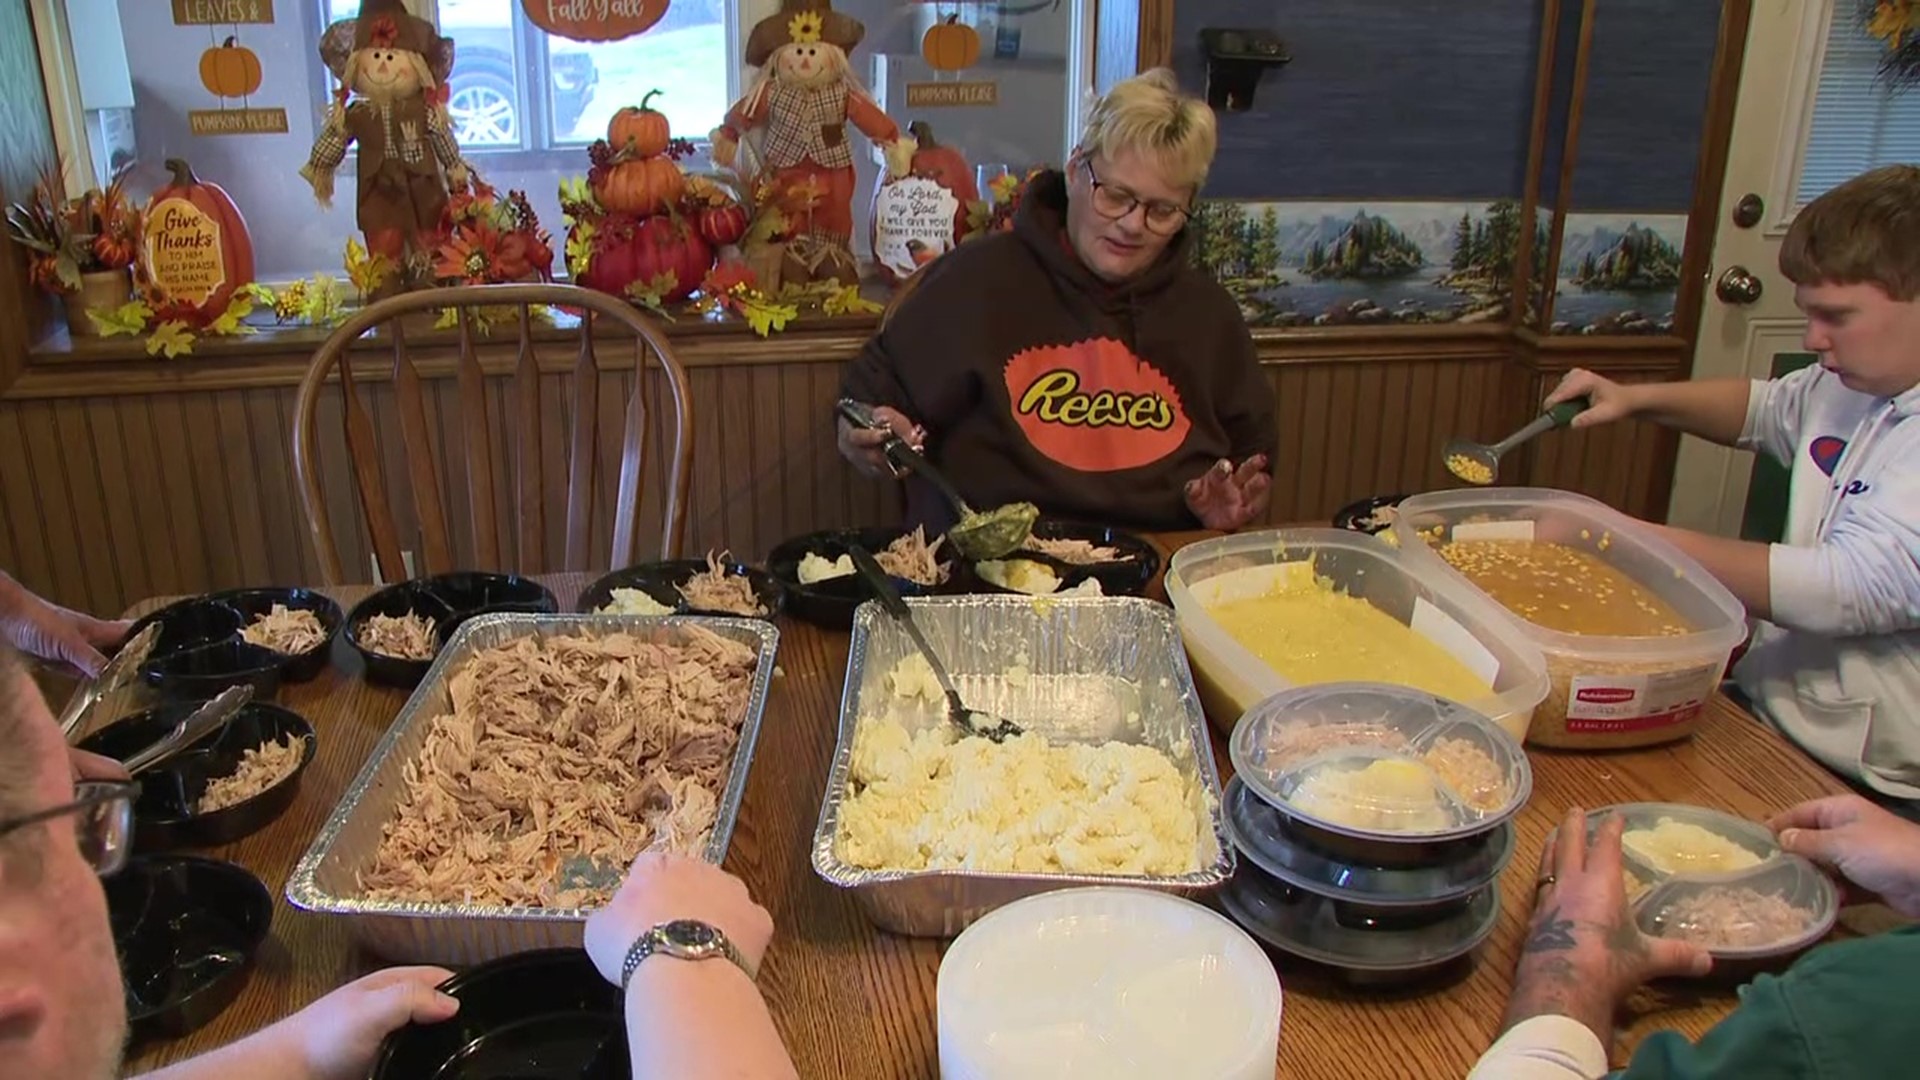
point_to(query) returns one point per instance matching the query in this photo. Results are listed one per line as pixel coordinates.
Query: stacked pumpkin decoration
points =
(641, 233)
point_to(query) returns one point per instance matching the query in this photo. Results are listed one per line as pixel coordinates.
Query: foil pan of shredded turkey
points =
(1113, 782)
(537, 758)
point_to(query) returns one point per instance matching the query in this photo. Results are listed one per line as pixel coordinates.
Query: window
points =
(514, 87)
(524, 105)
(1857, 124)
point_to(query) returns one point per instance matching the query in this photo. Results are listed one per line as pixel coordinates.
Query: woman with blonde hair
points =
(1081, 362)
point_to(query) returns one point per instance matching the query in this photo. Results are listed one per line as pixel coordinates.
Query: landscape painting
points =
(1619, 273)
(1344, 263)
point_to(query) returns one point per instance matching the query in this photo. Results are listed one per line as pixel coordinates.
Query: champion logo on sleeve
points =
(1825, 452)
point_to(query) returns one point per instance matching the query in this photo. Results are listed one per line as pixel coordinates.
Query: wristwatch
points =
(684, 939)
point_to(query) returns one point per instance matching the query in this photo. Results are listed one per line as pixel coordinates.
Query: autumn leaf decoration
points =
(366, 271)
(652, 295)
(847, 300)
(171, 338)
(129, 318)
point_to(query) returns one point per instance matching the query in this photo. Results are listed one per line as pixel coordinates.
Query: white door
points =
(1808, 116)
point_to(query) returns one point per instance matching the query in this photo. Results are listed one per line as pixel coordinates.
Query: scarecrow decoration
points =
(391, 104)
(804, 98)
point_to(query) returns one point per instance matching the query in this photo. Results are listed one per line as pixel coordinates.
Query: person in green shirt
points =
(1844, 1010)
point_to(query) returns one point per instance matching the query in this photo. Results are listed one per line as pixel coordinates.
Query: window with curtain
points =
(1858, 124)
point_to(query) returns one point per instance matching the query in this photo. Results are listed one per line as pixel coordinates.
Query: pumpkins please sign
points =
(196, 251)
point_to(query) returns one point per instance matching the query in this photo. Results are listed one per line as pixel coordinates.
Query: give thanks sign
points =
(594, 20)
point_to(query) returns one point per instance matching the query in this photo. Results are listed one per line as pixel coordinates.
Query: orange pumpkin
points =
(951, 45)
(646, 186)
(943, 165)
(195, 251)
(642, 131)
(230, 69)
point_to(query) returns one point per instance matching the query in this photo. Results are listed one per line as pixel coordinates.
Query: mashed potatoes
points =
(933, 799)
(633, 602)
(1387, 795)
(1680, 847)
(816, 568)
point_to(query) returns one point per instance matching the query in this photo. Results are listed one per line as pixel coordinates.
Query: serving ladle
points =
(971, 721)
(991, 534)
(1478, 464)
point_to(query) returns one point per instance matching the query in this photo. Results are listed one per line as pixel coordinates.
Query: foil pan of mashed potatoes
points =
(644, 728)
(1114, 782)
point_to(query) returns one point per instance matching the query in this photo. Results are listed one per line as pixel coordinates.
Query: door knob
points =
(1738, 286)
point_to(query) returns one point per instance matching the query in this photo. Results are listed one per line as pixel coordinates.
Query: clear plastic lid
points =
(1716, 880)
(1380, 762)
(1265, 837)
(1314, 927)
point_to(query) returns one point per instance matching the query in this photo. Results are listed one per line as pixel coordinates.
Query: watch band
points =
(661, 939)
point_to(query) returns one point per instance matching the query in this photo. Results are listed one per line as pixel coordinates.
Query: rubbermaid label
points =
(1598, 704)
(1494, 530)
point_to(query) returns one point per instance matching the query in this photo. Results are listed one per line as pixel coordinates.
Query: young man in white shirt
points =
(1835, 661)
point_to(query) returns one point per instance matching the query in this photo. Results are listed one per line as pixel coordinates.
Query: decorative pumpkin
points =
(196, 252)
(722, 225)
(627, 250)
(641, 131)
(945, 166)
(646, 186)
(230, 69)
(951, 45)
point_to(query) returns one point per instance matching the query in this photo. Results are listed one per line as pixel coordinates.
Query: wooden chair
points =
(651, 350)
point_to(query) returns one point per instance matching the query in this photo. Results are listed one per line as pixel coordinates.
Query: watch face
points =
(690, 936)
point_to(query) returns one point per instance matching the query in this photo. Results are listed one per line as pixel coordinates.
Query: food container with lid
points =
(1439, 607)
(1364, 950)
(1104, 982)
(1607, 692)
(1264, 837)
(1724, 883)
(1381, 774)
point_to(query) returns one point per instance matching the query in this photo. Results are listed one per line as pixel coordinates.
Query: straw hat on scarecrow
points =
(802, 21)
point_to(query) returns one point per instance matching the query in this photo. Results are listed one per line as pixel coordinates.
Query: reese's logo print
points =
(1095, 406)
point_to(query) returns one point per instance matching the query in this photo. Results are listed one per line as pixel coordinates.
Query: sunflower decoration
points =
(806, 27)
(1896, 24)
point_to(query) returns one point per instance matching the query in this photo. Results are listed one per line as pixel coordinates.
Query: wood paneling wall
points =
(107, 499)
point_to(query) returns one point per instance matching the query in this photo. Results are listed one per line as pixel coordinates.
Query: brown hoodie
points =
(1037, 381)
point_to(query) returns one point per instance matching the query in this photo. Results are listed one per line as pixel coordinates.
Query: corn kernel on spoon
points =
(1477, 463)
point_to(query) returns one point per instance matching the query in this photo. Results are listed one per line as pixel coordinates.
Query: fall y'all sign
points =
(222, 12)
(594, 20)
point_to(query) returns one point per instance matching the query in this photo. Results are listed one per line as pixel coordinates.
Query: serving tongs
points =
(192, 730)
(121, 670)
(971, 721)
(992, 534)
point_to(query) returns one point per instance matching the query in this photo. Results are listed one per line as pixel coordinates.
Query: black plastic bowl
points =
(539, 1014)
(164, 816)
(251, 603)
(662, 581)
(1359, 516)
(831, 603)
(1130, 575)
(199, 652)
(186, 930)
(449, 600)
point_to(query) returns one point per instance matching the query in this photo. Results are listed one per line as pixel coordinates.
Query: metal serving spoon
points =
(1476, 463)
(989, 535)
(971, 721)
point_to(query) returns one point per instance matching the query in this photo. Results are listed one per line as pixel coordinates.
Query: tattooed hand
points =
(1583, 954)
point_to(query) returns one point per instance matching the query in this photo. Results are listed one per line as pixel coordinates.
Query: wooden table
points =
(853, 1002)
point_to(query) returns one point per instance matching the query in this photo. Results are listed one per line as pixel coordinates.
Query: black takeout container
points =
(662, 580)
(186, 930)
(200, 651)
(831, 603)
(1130, 575)
(540, 1015)
(448, 600)
(163, 813)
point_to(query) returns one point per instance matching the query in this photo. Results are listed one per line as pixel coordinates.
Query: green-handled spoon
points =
(1476, 463)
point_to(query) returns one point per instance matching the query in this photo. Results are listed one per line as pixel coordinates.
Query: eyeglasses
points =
(104, 826)
(1113, 203)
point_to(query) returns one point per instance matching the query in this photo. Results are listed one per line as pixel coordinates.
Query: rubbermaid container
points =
(1232, 680)
(1607, 692)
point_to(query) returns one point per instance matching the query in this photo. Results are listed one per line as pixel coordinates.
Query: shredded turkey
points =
(911, 558)
(286, 630)
(262, 767)
(404, 637)
(563, 751)
(715, 589)
(1077, 552)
